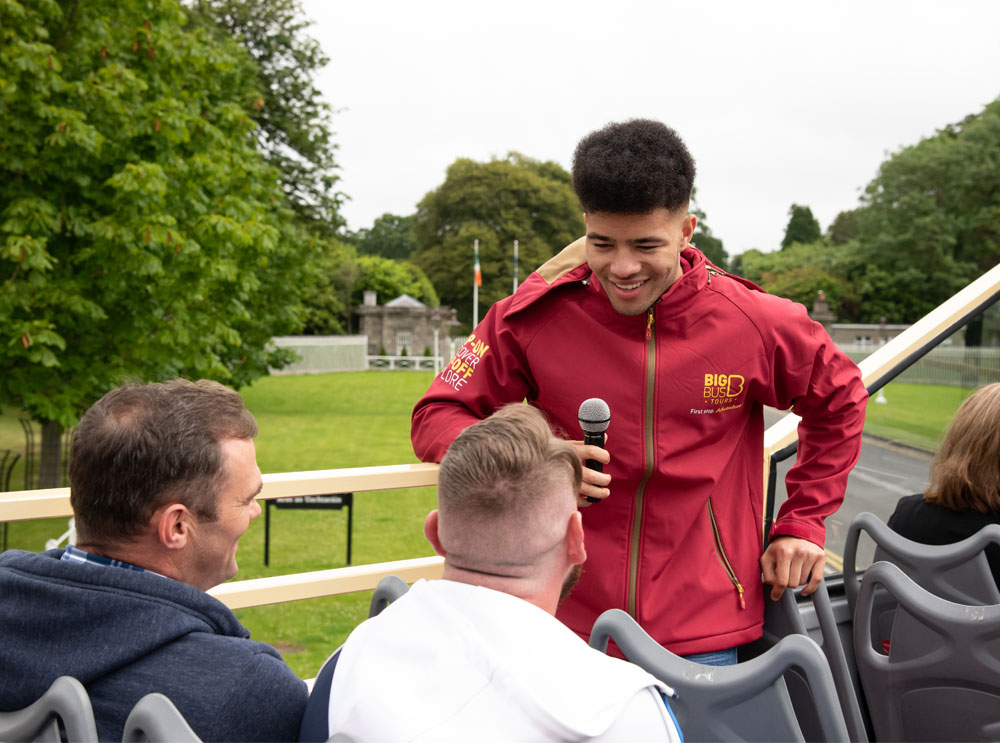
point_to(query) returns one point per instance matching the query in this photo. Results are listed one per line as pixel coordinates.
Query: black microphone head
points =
(594, 415)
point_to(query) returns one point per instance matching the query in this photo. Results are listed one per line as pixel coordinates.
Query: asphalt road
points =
(884, 473)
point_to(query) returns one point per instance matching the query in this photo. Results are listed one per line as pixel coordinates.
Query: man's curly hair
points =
(633, 167)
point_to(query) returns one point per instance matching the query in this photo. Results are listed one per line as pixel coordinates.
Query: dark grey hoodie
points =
(124, 634)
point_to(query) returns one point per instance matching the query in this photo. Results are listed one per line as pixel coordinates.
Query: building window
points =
(862, 340)
(404, 342)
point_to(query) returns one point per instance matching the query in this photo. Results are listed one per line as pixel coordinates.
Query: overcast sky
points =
(779, 102)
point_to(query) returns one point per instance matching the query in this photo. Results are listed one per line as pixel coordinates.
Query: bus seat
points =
(155, 719)
(745, 702)
(940, 679)
(65, 703)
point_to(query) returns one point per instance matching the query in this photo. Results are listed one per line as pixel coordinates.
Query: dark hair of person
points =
(965, 472)
(497, 466)
(144, 445)
(633, 167)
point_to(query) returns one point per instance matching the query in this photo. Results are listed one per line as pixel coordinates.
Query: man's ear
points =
(574, 539)
(431, 532)
(173, 524)
(688, 226)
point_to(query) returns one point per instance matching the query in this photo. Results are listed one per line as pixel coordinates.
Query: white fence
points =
(952, 366)
(324, 353)
(321, 354)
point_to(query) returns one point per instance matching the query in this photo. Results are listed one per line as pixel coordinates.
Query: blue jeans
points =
(715, 658)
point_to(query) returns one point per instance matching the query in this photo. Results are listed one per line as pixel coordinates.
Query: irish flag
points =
(475, 266)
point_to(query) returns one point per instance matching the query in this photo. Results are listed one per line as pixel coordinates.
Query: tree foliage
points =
(294, 128)
(391, 279)
(802, 227)
(390, 236)
(801, 271)
(846, 226)
(704, 240)
(496, 202)
(141, 232)
(930, 221)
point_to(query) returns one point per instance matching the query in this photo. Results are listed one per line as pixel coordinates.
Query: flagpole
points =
(475, 284)
(515, 265)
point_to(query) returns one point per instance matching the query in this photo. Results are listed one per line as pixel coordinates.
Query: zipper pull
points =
(649, 323)
(743, 604)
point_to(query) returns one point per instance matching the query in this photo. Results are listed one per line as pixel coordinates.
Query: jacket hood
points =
(88, 621)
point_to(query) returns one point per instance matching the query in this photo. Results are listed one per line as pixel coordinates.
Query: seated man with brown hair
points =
(479, 655)
(163, 481)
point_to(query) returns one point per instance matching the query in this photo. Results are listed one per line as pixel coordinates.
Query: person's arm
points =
(824, 387)
(487, 372)
(265, 703)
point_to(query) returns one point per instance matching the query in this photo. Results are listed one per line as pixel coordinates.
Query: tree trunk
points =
(50, 465)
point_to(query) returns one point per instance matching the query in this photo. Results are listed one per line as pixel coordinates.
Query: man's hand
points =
(788, 562)
(595, 484)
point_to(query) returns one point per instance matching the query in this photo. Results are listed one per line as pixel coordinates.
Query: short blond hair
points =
(501, 488)
(965, 472)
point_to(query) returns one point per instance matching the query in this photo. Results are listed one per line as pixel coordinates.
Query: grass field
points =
(359, 419)
(914, 414)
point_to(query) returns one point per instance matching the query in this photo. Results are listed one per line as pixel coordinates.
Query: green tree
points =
(141, 232)
(390, 236)
(802, 227)
(704, 240)
(294, 128)
(496, 202)
(846, 226)
(930, 221)
(328, 300)
(390, 279)
(802, 270)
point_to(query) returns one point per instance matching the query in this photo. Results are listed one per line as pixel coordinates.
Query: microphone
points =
(594, 417)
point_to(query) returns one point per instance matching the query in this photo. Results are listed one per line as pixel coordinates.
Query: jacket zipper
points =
(722, 555)
(633, 563)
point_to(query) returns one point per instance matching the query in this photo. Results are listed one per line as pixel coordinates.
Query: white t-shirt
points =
(450, 661)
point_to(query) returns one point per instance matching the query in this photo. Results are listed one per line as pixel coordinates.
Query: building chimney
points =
(370, 299)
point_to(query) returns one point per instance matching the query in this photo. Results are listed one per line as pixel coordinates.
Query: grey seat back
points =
(390, 588)
(745, 702)
(66, 703)
(958, 572)
(941, 677)
(155, 719)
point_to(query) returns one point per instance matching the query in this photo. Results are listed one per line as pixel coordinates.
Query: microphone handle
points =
(594, 439)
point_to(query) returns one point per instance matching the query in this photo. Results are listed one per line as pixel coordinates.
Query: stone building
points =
(404, 326)
(853, 335)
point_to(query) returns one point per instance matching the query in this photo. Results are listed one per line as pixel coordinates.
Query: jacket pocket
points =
(720, 552)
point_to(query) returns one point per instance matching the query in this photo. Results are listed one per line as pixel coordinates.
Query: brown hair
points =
(143, 445)
(495, 482)
(965, 473)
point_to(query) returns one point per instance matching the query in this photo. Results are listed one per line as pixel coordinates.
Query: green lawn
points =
(357, 419)
(914, 414)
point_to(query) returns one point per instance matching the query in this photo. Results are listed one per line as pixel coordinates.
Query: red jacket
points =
(677, 544)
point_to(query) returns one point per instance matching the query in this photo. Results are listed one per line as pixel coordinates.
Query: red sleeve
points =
(486, 373)
(823, 386)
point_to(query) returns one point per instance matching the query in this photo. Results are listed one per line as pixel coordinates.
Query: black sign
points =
(333, 502)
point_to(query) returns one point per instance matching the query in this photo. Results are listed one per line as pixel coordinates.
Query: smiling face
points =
(636, 257)
(215, 542)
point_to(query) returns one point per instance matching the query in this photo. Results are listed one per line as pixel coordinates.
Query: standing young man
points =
(686, 357)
